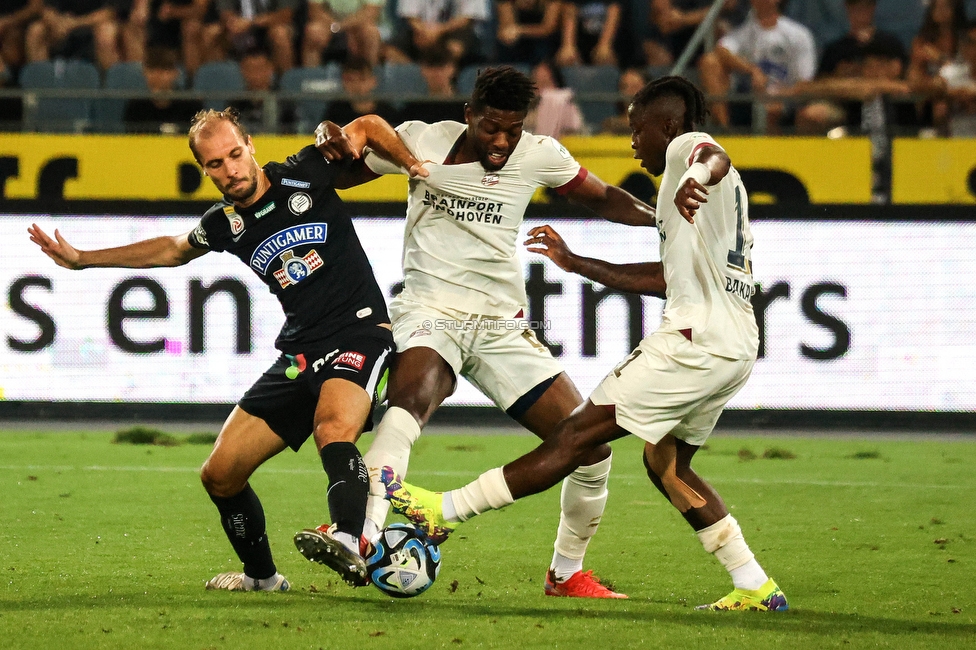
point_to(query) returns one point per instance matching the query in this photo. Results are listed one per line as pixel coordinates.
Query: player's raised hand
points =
(689, 198)
(333, 143)
(58, 249)
(546, 241)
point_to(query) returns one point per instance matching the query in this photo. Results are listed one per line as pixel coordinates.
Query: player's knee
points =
(219, 483)
(336, 430)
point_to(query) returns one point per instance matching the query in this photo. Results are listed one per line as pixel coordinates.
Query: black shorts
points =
(287, 393)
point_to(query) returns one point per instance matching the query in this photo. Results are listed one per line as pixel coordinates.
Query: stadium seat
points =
(57, 114)
(584, 79)
(400, 79)
(219, 81)
(322, 79)
(109, 111)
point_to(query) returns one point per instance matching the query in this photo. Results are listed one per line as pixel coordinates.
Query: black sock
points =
(348, 486)
(243, 519)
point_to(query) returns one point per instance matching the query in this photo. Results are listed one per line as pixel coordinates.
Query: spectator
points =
(15, 15)
(83, 29)
(959, 77)
(246, 25)
(673, 22)
(259, 76)
(158, 114)
(439, 69)
(631, 80)
(359, 82)
(589, 32)
(174, 24)
(554, 111)
(844, 59)
(936, 42)
(438, 23)
(342, 29)
(528, 30)
(773, 51)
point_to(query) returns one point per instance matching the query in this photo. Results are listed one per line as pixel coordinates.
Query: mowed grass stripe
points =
(424, 474)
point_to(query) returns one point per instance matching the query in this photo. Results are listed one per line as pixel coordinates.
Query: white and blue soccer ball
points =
(403, 562)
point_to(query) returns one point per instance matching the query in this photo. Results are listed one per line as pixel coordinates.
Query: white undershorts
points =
(501, 357)
(668, 385)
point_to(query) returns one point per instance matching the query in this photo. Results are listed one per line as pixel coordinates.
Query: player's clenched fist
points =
(689, 198)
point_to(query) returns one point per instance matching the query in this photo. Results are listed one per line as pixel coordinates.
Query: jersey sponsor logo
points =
(299, 202)
(321, 361)
(490, 179)
(265, 210)
(236, 221)
(354, 360)
(270, 248)
(294, 269)
(290, 182)
(463, 209)
(200, 235)
(364, 312)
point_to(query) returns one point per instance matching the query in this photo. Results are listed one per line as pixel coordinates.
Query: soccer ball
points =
(404, 562)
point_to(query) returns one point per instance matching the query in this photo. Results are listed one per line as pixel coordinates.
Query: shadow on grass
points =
(375, 611)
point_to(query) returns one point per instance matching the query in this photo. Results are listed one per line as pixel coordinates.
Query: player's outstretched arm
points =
(712, 166)
(149, 253)
(612, 203)
(335, 143)
(645, 278)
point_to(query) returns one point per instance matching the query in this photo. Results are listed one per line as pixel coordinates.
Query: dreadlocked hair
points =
(504, 88)
(681, 88)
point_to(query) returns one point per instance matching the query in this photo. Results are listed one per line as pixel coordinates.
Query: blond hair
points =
(205, 118)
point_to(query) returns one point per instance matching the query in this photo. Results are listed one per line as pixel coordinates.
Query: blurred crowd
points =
(816, 66)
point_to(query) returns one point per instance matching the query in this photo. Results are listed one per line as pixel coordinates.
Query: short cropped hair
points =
(205, 118)
(504, 88)
(680, 88)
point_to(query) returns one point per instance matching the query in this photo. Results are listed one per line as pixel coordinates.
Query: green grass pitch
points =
(108, 545)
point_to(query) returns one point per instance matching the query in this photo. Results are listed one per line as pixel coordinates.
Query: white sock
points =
(724, 539)
(564, 567)
(749, 576)
(347, 540)
(395, 435)
(488, 492)
(266, 584)
(582, 500)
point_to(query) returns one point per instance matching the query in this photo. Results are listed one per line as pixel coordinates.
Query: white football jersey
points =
(708, 265)
(459, 246)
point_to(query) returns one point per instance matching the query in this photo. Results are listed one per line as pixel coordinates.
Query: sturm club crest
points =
(299, 202)
(294, 269)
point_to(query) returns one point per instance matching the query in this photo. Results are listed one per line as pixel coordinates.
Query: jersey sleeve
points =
(207, 235)
(735, 40)
(306, 165)
(683, 150)
(410, 133)
(550, 164)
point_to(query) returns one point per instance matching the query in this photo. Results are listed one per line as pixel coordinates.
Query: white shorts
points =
(667, 385)
(501, 357)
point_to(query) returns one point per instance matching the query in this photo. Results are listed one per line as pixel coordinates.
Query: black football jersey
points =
(299, 239)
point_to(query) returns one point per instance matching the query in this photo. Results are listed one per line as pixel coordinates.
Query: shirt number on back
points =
(737, 257)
